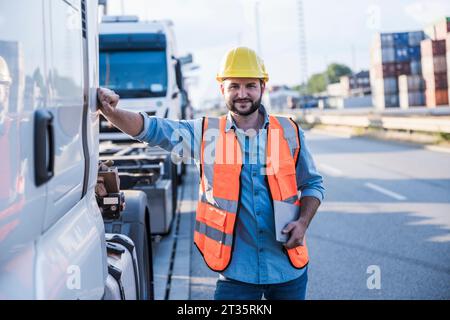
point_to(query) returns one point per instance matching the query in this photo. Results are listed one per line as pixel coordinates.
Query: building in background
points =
(283, 97)
(351, 91)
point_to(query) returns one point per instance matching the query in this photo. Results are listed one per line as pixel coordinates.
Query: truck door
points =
(65, 64)
(71, 253)
(23, 94)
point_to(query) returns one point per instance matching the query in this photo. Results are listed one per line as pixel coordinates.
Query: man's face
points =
(242, 95)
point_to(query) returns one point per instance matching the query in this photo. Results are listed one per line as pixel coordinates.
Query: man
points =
(252, 167)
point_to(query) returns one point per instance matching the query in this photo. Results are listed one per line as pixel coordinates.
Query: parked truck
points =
(140, 62)
(55, 199)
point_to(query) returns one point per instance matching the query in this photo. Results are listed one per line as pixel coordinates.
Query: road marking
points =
(438, 149)
(336, 134)
(385, 191)
(329, 170)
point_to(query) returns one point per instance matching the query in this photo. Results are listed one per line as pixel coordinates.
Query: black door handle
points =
(44, 147)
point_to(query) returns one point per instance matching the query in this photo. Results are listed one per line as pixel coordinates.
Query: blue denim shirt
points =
(257, 257)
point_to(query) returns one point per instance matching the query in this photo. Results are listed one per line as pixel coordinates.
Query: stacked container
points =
(411, 91)
(393, 55)
(448, 63)
(434, 70)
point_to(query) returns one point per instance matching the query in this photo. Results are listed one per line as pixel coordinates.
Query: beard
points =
(231, 105)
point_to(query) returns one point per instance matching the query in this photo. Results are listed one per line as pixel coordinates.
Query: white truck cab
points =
(138, 60)
(52, 233)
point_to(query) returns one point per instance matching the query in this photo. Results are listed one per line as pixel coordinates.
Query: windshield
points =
(134, 74)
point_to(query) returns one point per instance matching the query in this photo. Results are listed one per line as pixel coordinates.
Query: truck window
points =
(134, 65)
(134, 74)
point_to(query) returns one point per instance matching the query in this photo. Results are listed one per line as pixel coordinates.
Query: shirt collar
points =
(230, 124)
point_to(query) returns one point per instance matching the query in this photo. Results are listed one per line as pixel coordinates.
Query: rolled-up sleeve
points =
(309, 180)
(182, 137)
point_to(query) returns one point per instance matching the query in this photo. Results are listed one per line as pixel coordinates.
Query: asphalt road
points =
(383, 231)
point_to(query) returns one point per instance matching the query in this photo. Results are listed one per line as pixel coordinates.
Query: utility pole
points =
(122, 6)
(258, 34)
(353, 58)
(303, 58)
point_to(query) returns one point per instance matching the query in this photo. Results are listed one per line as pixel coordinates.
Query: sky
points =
(336, 31)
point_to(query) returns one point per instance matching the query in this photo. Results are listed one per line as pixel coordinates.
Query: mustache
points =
(242, 100)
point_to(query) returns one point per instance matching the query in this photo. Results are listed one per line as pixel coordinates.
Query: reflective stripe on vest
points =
(221, 165)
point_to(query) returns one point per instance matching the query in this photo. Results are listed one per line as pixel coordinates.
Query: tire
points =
(134, 223)
(146, 272)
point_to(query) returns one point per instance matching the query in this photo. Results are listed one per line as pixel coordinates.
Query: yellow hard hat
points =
(242, 62)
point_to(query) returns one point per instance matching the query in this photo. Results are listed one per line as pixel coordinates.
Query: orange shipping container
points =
(435, 98)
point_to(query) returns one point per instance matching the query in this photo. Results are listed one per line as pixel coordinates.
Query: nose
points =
(242, 93)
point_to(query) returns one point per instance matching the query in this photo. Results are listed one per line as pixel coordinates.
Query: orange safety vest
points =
(219, 200)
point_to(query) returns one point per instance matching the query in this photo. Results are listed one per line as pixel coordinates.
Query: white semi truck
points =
(139, 60)
(53, 243)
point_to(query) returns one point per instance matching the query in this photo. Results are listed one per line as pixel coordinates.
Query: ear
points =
(222, 88)
(263, 87)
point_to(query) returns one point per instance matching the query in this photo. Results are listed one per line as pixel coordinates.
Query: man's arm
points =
(183, 137)
(128, 122)
(297, 229)
(310, 183)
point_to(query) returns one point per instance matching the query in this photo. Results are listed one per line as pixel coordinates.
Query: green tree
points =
(337, 70)
(317, 83)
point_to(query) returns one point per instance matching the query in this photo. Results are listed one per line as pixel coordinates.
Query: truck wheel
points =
(147, 269)
(135, 224)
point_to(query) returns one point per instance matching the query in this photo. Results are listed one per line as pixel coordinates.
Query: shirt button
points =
(256, 192)
(254, 173)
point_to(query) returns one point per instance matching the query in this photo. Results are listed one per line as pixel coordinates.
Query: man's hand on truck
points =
(128, 122)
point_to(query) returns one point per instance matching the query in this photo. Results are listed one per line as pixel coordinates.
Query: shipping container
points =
(434, 64)
(393, 55)
(395, 69)
(410, 83)
(383, 40)
(406, 54)
(430, 47)
(416, 67)
(383, 55)
(382, 101)
(436, 81)
(401, 39)
(411, 99)
(448, 63)
(435, 98)
(385, 85)
(415, 37)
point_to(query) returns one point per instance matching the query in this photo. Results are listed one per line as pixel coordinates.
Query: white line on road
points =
(345, 135)
(385, 191)
(438, 149)
(329, 170)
